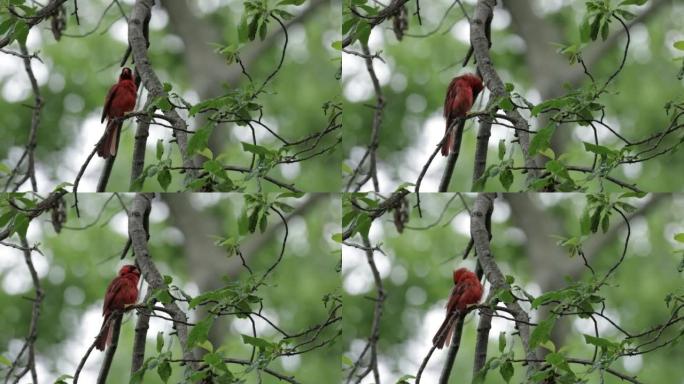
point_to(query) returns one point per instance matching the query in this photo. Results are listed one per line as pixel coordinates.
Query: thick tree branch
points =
(484, 202)
(480, 44)
(136, 230)
(136, 38)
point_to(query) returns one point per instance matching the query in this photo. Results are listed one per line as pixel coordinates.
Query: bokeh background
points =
(526, 37)
(417, 266)
(78, 70)
(78, 264)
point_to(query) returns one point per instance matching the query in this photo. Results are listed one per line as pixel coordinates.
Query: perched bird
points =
(121, 292)
(461, 95)
(120, 99)
(467, 290)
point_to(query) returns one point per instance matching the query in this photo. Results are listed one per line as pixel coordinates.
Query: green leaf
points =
(541, 332)
(595, 27)
(6, 361)
(679, 45)
(21, 31)
(679, 237)
(541, 140)
(160, 149)
(363, 224)
(558, 169)
(502, 341)
(168, 87)
(549, 297)
(604, 30)
(502, 149)
(257, 149)
(363, 32)
(337, 45)
(199, 140)
(558, 361)
(160, 341)
(243, 31)
(506, 178)
(633, 2)
(506, 370)
(263, 28)
(21, 223)
(164, 370)
(257, 342)
(200, 331)
(337, 237)
(291, 2)
(585, 30)
(599, 342)
(164, 178)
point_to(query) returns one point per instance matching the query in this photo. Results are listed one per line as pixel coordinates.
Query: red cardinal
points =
(122, 291)
(120, 99)
(467, 290)
(462, 92)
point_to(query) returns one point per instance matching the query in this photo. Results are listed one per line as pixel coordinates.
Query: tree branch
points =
(138, 43)
(484, 202)
(480, 44)
(141, 207)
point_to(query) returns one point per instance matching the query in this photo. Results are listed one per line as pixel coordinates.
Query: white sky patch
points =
(545, 7)
(376, 40)
(398, 274)
(640, 46)
(173, 236)
(289, 170)
(640, 246)
(200, 201)
(503, 212)
(671, 37)
(357, 276)
(672, 229)
(633, 364)
(159, 18)
(16, 89)
(632, 170)
(263, 328)
(291, 363)
(501, 19)
(398, 82)
(208, 6)
(416, 295)
(297, 50)
(416, 103)
(605, 328)
(327, 39)
(244, 133)
(172, 43)
(461, 31)
(461, 223)
(119, 31)
(56, 82)
(604, 135)
(119, 223)
(298, 243)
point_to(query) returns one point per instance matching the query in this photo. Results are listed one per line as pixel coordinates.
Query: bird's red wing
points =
(108, 102)
(455, 297)
(452, 92)
(112, 291)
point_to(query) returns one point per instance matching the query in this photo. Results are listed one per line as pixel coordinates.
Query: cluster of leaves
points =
(597, 19)
(255, 20)
(503, 362)
(13, 213)
(13, 27)
(354, 27)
